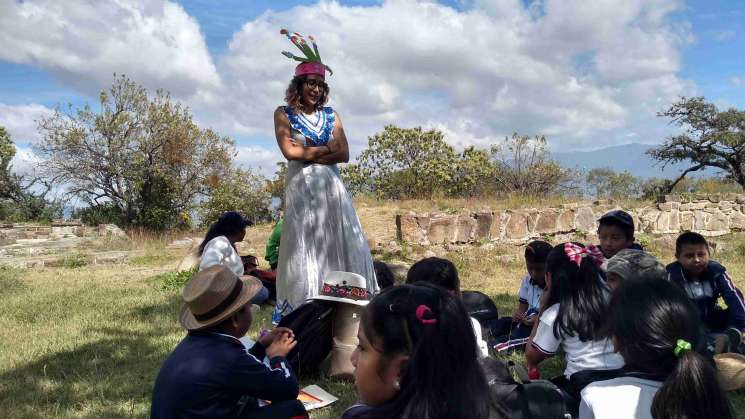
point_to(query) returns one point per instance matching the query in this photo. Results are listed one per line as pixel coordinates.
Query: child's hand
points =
(271, 336)
(281, 346)
(518, 316)
(530, 320)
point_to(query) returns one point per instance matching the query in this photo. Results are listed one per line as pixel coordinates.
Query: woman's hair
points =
(294, 92)
(383, 275)
(442, 377)
(580, 293)
(647, 319)
(227, 224)
(438, 271)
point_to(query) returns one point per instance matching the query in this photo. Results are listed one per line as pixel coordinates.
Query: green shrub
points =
(74, 261)
(169, 281)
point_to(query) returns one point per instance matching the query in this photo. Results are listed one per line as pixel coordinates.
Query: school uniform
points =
(510, 335)
(219, 251)
(705, 292)
(624, 397)
(591, 355)
(208, 374)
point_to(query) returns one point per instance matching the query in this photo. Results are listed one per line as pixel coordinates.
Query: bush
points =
(170, 281)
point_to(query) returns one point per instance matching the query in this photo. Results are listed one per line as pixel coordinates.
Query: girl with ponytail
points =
(655, 327)
(573, 311)
(415, 359)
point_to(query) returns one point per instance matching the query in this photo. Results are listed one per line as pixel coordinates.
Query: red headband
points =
(310, 68)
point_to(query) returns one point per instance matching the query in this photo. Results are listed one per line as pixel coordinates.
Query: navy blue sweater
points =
(208, 373)
(715, 283)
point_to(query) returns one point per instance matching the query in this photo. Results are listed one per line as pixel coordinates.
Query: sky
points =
(587, 74)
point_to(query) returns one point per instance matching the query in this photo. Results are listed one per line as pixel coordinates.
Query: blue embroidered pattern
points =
(319, 134)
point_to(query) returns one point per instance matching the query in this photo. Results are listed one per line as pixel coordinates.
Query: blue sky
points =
(582, 75)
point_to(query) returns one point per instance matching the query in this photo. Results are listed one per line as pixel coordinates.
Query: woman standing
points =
(321, 231)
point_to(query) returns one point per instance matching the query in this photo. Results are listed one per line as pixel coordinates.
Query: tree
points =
(610, 184)
(276, 186)
(143, 155)
(525, 166)
(710, 139)
(241, 190)
(474, 173)
(18, 199)
(403, 163)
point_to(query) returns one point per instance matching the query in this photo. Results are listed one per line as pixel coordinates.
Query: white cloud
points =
(20, 121)
(581, 73)
(260, 159)
(737, 81)
(84, 42)
(25, 161)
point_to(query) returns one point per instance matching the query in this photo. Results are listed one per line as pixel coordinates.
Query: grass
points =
(88, 342)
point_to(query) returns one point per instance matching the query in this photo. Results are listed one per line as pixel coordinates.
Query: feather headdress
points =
(311, 62)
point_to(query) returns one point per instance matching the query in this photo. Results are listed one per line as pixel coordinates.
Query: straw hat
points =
(731, 370)
(345, 287)
(212, 295)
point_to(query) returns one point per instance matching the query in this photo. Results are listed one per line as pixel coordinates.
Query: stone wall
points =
(710, 215)
(12, 233)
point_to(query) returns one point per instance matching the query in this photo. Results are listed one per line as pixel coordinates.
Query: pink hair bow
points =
(575, 253)
(423, 311)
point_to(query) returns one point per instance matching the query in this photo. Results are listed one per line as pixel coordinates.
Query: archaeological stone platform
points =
(33, 245)
(710, 215)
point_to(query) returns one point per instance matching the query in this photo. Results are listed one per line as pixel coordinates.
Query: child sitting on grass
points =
(415, 359)
(705, 281)
(632, 264)
(443, 273)
(512, 332)
(572, 317)
(616, 232)
(655, 328)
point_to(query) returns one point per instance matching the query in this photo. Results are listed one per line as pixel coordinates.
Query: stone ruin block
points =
(565, 221)
(484, 221)
(585, 220)
(737, 221)
(498, 225)
(465, 229)
(686, 220)
(517, 226)
(408, 228)
(547, 222)
(442, 229)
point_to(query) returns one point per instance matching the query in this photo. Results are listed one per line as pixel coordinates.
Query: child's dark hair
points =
(620, 219)
(395, 323)
(383, 275)
(581, 295)
(228, 224)
(438, 271)
(649, 319)
(537, 251)
(689, 237)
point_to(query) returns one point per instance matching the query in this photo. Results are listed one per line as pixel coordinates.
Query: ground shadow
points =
(111, 377)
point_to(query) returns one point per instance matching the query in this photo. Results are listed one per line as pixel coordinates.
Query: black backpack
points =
(524, 399)
(311, 324)
(480, 307)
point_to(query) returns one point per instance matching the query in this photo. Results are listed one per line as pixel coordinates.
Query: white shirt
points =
(219, 251)
(530, 294)
(483, 349)
(619, 398)
(590, 355)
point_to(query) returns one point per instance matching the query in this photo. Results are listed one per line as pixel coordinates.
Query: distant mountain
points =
(630, 157)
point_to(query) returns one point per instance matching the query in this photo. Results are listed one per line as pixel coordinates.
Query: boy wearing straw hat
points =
(210, 373)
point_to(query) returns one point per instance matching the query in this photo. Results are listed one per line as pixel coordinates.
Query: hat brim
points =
(251, 287)
(341, 300)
